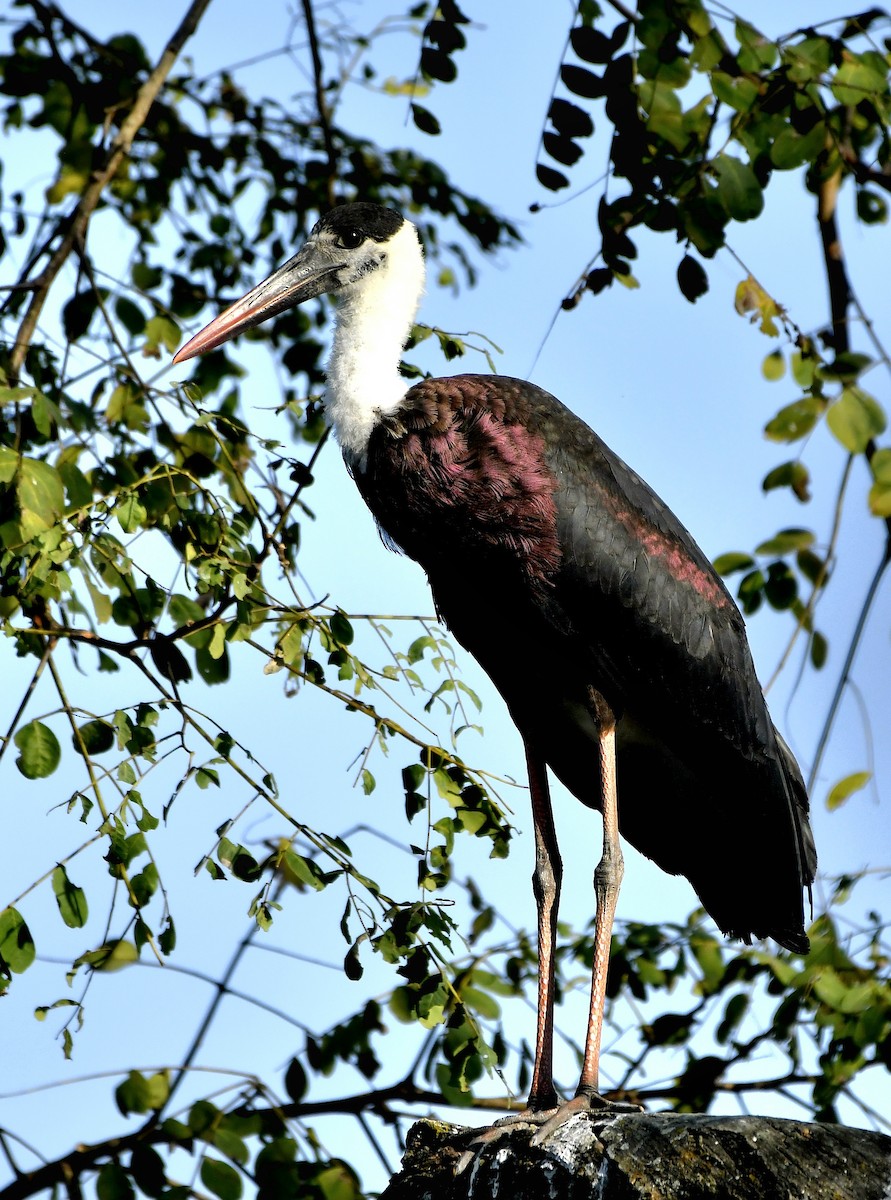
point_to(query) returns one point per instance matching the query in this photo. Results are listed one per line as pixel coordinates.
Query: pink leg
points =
(546, 881)
(607, 881)
(544, 1108)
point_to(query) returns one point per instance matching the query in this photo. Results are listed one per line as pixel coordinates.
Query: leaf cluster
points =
(701, 121)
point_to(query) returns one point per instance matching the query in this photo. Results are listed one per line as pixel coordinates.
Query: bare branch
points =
(76, 224)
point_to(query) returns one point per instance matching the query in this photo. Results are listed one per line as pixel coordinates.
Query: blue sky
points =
(675, 389)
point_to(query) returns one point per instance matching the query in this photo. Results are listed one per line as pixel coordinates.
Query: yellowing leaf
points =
(774, 366)
(794, 421)
(752, 298)
(70, 180)
(855, 418)
(845, 788)
(405, 87)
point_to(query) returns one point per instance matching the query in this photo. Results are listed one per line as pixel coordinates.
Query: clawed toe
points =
(545, 1122)
(583, 1102)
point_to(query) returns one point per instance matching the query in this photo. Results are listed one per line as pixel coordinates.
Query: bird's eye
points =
(350, 239)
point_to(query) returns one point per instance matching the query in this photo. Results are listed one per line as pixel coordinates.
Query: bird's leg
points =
(546, 880)
(544, 1109)
(607, 881)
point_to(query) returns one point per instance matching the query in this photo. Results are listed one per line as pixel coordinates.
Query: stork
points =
(621, 655)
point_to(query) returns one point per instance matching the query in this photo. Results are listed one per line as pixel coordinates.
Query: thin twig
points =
(321, 103)
(844, 676)
(76, 223)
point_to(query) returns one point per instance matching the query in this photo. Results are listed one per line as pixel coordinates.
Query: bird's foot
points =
(545, 1121)
(586, 1100)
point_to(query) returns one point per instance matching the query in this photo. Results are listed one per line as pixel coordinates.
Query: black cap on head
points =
(368, 220)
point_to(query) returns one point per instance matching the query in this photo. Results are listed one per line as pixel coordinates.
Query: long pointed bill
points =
(309, 273)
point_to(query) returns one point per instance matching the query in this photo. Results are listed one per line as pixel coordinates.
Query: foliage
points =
(151, 540)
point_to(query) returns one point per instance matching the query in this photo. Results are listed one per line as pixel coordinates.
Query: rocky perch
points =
(665, 1156)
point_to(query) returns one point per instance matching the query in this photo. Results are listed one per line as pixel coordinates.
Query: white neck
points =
(373, 322)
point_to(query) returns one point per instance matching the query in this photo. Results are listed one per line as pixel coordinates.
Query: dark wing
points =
(663, 625)
(717, 794)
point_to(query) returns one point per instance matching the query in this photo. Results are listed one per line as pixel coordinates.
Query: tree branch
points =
(840, 300)
(322, 110)
(76, 223)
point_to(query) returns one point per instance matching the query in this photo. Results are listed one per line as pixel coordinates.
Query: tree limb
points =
(322, 109)
(76, 223)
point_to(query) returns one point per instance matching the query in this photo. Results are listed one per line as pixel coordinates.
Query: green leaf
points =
(71, 899)
(167, 937)
(16, 944)
(131, 514)
(846, 367)
(341, 629)
(804, 368)
(130, 315)
(338, 1182)
(102, 604)
(481, 1002)
(785, 541)
(352, 965)
(819, 650)
(112, 956)
(860, 77)
(221, 1179)
(582, 82)
(304, 871)
(664, 114)
(231, 1144)
(738, 188)
(550, 179)
(77, 486)
(774, 366)
(113, 1183)
(95, 736)
(161, 333)
(9, 460)
(184, 610)
(872, 209)
(845, 788)
(203, 1116)
(692, 279)
(880, 492)
(756, 52)
(808, 59)
(43, 413)
(739, 92)
(791, 149)
(39, 750)
(41, 496)
(141, 1094)
(794, 421)
(425, 120)
(794, 475)
(296, 1083)
(855, 418)
(726, 564)
(147, 1169)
